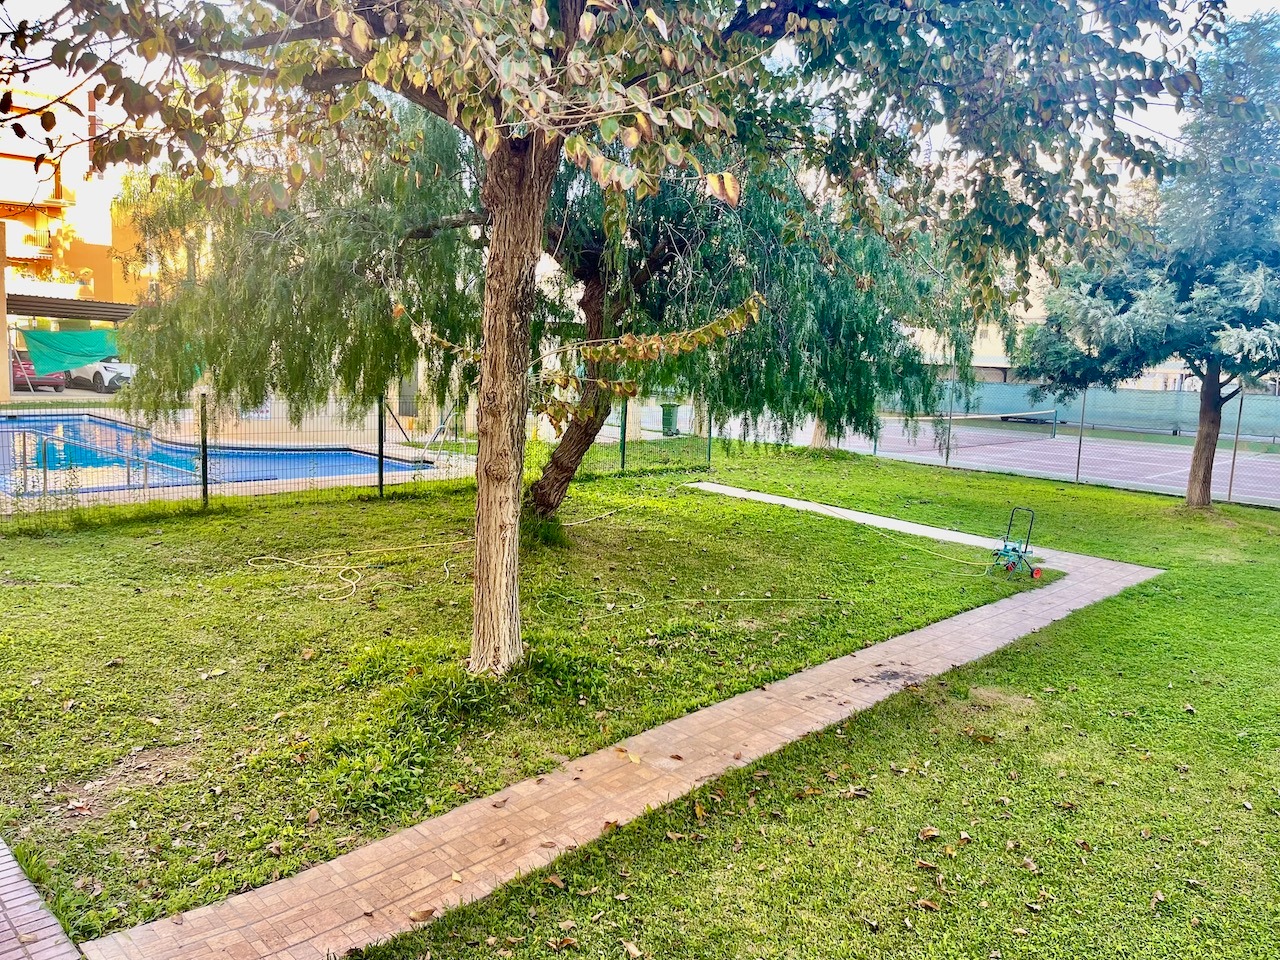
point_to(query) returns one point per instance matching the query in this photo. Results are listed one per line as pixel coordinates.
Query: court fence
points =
(60, 460)
(1138, 439)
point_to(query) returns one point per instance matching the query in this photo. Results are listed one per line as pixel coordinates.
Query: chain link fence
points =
(1136, 439)
(60, 460)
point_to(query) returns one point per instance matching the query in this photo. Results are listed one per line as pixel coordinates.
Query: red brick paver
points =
(388, 886)
(28, 931)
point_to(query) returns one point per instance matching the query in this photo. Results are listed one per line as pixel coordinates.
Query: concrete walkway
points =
(394, 884)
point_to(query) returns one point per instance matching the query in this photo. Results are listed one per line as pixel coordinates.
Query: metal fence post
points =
(710, 432)
(1084, 399)
(204, 450)
(1235, 447)
(382, 443)
(951, 410)
(622, 443)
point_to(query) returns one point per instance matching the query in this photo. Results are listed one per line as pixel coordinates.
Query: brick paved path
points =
(390, 885)
(28, 931)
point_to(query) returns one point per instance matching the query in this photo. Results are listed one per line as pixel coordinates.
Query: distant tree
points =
(1209, 292)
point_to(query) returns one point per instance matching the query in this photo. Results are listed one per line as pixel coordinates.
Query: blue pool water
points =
(90, 453)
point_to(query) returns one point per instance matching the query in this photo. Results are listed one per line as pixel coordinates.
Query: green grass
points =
(1117, 775)
(665, 453)
(177, 724)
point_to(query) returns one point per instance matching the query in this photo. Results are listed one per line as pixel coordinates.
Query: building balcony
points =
(22, 187)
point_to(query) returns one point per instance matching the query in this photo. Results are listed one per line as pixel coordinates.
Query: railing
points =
(130, 459)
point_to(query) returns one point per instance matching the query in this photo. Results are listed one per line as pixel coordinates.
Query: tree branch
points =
(771, 21)
(468, 218)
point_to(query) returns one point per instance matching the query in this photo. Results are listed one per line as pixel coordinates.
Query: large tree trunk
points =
(1200, 481)
(515, 192)
(546, 495)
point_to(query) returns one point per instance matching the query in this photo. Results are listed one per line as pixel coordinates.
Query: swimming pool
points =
(87, 453)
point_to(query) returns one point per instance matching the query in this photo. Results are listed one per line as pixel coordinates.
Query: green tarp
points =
(67, 349)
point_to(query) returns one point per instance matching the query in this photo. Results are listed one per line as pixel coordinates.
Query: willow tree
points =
(1027, 93)
(1207, 291)
(295, 301)
(831, 343)
(339, 295)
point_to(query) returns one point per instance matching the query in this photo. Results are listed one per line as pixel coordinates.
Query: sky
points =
(1162, 120)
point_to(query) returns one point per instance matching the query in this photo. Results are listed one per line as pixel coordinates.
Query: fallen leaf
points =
(925, 865)
(555, 881)
(457, 877)
(631, 949)
(420, 916)
(308, 654)
(313, 816)
(929, 833)
(928, 905)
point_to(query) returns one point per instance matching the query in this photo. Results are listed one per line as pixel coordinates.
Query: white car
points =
(105, 376)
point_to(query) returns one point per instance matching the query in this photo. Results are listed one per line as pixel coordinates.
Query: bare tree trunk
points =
(546, 495)
(515, 192)
(1200, 481)
(820, 440)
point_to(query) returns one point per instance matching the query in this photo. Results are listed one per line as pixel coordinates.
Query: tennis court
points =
(1032, 444)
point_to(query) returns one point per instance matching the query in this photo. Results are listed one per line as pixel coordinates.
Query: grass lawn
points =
(1109, 787)
(177, 724)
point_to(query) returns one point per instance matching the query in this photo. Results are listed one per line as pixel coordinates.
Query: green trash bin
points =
(670, 412)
